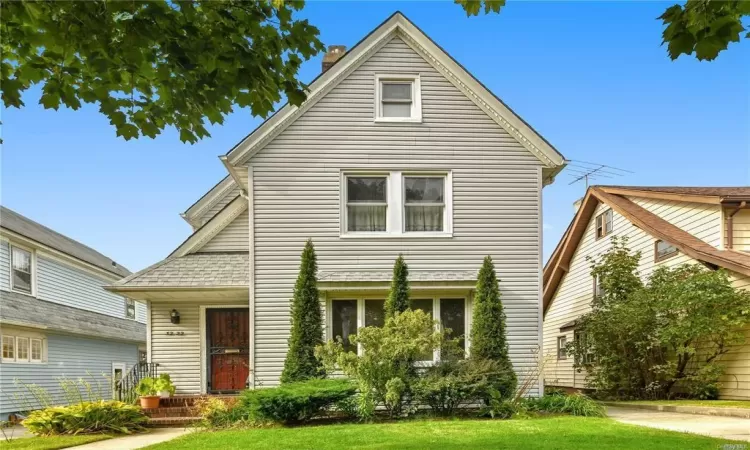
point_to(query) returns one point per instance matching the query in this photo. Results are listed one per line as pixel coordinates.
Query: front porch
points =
(179, 410)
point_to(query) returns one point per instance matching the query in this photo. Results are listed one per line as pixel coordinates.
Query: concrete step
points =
(173, 411)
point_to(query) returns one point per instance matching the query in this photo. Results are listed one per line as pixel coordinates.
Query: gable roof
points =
(696, 194)
(398, 25)
(649, 222)
(21, 225)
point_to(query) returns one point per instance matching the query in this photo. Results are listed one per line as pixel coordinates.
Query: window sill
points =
(16, 291)
(398, 120)
(27, 363)
(415, 234)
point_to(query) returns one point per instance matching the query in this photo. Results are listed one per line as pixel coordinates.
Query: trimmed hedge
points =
(295, 402)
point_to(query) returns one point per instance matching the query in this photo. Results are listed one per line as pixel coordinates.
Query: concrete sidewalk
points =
(154, 436)
(715, 426)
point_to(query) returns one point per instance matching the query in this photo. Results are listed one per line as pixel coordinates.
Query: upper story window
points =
(129, 308)
(22, 269)
(396, 203)
(398, 98)
(664, 250)
(424, 203)
(562, 342)
(366, 203)
(604, 224)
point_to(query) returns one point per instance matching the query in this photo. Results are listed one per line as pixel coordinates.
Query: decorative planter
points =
(150, 401)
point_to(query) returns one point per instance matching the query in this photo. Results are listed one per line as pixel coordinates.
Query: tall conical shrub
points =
(398, 297)
(307, 324)
(488, 339)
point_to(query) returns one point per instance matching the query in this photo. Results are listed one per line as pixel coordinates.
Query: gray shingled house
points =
(398, 149)
(56, 320)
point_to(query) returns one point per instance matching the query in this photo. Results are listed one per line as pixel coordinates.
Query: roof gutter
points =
(235, 175)
(730, 223)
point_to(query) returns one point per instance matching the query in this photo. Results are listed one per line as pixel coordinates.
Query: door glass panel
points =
(344, 321)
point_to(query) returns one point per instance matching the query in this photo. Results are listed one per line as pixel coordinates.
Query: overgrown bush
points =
(662, 337)
(86, 418)
(384, 372)
(307, 323)
(294, 402)
(453, 385)
(574, 404)
(216, 412)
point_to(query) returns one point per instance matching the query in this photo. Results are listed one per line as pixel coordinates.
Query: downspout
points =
(235, 176)
(730, 223)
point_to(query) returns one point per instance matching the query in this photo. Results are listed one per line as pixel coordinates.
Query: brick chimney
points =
(332, 55)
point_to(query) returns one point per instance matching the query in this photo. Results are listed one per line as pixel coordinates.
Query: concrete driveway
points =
(715, 426)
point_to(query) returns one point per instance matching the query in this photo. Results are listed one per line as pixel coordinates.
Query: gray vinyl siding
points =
(4, 266)
(67, 357)
(296, 177)
(234, 237)
(219, 205)
(180, 355)
(66, 285)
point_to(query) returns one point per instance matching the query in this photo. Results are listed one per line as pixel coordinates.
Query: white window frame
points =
(31, 338)
(128, 301)
(31, 350)
(2, 345)
(361, 298)
(31, 251)
(395, 209)
(416, 97)
(19, 339)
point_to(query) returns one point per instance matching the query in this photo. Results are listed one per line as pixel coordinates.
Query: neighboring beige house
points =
(398, 149)
(669, 226)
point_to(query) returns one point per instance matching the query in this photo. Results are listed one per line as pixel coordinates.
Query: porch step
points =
(187, 400)
(170, 411)
(161, 422)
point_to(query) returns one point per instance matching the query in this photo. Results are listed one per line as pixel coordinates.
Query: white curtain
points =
(366, 218)
(424, 218)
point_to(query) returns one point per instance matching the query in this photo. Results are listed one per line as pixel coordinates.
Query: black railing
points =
(125, 387)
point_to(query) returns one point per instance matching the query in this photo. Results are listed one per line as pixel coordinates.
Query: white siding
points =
(180, 355)
(575, 291)
(234, 237)
(219, 205)
(4, 266)
(496, 191)
(66, 285)
(741, 230)
(701, 220)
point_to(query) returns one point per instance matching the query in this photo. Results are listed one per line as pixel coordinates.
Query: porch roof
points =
(26, 311)
(196, 270)
(331, 280)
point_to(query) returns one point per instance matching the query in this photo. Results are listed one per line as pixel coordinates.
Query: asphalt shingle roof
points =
(24, 310)
(415, 275)
(11, 220)
(735, 191)
(194, 270)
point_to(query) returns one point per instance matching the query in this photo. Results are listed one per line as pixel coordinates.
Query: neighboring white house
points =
(398, 150)
(56, 321)
(669, 226)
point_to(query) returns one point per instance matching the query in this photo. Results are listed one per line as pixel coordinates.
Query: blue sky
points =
(590, 77)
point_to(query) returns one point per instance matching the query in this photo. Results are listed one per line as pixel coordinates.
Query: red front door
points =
(228, 336)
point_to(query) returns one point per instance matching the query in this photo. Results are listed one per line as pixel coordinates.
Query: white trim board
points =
(399, 25)
(211, 228)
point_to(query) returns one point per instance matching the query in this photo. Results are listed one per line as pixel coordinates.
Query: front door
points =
(228, 336)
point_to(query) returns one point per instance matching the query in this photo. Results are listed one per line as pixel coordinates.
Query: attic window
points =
(664, 250)
(398, 98)
(604, 224)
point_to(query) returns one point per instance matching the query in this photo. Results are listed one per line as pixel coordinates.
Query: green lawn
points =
(542, 433)
(51, 443)
(709, 403)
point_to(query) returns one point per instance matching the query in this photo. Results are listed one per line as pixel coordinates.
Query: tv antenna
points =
(585, 171)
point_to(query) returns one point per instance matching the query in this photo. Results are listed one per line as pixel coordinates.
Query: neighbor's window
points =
(129, 308)
(597, 286)
(22, 349)
(398, 98)
(604, 224)
(424, 203)
(588, 358)
(562, 341)
(36, 350)
(21, 263)
(366, 203)
(664, 250)
(9, 348)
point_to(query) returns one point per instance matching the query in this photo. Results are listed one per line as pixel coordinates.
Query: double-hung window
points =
(424, 203)
(9, 348)
(21, 262)
(129, 308)
(604, 224)
(398, 98)
(366, 203)
(562, 342)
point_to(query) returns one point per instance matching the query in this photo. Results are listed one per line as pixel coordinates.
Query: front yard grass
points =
(51, 442)
(539, 433)
(707, 403)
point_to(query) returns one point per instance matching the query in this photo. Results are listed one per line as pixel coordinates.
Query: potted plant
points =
(148, 393)
(164, 386)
